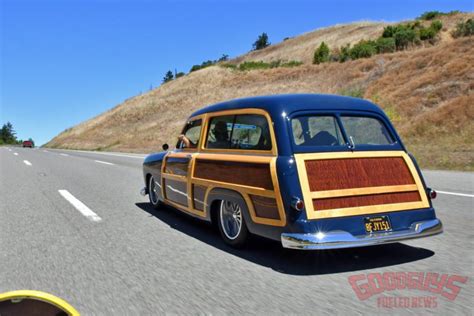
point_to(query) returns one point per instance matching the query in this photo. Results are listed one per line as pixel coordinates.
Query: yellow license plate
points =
(377, 224)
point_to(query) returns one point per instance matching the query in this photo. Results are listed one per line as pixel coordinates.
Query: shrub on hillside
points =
(179, 75)
(345, 53)
(430, 15)
(403, 37)
(385, 45)
(321, 54)
(356, 92)
(228, 65)
(363, 49)
(437, 25)
(427, 33)
(464, 28)
(204, 64)
(253, 65)
(292, 63)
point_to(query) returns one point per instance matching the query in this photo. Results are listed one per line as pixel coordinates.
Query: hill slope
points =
(427, 92)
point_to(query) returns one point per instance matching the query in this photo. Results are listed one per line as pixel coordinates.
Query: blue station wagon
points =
(310, 171)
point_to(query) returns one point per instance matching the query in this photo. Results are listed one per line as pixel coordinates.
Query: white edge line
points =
(65, 155)
(16, 154)
(104, 162)
(27, 162)
(455, 193)
(81, 207)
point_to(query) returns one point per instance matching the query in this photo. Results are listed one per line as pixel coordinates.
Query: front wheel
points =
(153, 193)
(232, 224)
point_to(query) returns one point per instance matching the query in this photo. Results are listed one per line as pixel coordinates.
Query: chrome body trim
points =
(343, 239)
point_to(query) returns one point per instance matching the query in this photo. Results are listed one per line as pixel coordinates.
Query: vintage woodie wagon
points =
(311, 171)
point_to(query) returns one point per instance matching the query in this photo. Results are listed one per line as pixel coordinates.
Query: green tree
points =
(8, 134)
(321, 54)
(168, 76)
(179, 75)
(261, 42)
(224, 57)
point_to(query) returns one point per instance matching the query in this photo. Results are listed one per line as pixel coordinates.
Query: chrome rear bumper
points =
(343, 239)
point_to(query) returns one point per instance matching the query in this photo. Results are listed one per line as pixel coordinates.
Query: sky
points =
(66, 61)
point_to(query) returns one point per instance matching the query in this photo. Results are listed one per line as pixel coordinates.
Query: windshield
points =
(325, 130)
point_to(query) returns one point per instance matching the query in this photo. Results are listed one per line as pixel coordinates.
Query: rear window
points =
(316, 131)
(366, 130)
(325, 130)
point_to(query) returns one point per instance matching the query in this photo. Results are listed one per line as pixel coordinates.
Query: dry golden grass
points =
(426, 91)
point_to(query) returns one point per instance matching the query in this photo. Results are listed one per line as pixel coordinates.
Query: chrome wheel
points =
(231, 219)
(152, 191)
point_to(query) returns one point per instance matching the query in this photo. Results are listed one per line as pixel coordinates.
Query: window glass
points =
(192, 132)
(366, 130)
(251, 132)
(220, 128)
(239, 132)
(316, 131)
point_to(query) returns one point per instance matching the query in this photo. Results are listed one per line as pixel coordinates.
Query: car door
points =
(177, 166)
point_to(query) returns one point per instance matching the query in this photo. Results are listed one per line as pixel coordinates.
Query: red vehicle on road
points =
(28, 143)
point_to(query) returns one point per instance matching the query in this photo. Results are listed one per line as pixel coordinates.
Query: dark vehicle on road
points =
(28, 143)
(311, 171)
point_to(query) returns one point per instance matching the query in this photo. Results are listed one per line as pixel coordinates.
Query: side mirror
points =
(165, 147)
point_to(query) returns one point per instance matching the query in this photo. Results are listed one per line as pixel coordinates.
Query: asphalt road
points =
(130, 259)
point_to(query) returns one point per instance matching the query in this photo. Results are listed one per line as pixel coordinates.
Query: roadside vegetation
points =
(464, 29)
(393, 38)
(8, 135)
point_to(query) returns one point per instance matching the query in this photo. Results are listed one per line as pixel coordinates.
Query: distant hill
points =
(427, 91)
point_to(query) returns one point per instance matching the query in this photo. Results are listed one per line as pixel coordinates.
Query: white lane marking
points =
(16, 154)
(455, 193)
(81, 207)
(27, 162)
(104, 162)
(65, 155)
(138, 156)
(46, 151)
(9, 149)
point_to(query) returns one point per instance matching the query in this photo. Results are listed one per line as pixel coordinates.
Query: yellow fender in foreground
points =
(17, 296)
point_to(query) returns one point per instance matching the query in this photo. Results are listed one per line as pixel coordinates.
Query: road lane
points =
(141, 261)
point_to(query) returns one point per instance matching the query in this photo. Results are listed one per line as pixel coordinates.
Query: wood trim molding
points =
(363, 191)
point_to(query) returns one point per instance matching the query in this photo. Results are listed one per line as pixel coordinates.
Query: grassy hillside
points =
(426, 90)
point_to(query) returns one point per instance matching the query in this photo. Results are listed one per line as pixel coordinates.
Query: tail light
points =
(431, 193)
(297, 203)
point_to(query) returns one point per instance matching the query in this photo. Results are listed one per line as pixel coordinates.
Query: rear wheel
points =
(232, 224)
(153, 193)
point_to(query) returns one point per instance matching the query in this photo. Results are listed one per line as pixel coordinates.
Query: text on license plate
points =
(377, 224)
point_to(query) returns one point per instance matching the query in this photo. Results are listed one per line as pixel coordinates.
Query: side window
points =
(190, 135)
(247, 132)
(316, 131)
(220, 128)
(251, 132)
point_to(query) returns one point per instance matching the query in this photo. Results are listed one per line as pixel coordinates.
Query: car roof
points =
(288, 103)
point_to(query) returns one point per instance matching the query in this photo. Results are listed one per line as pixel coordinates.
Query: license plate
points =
(377, 224)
